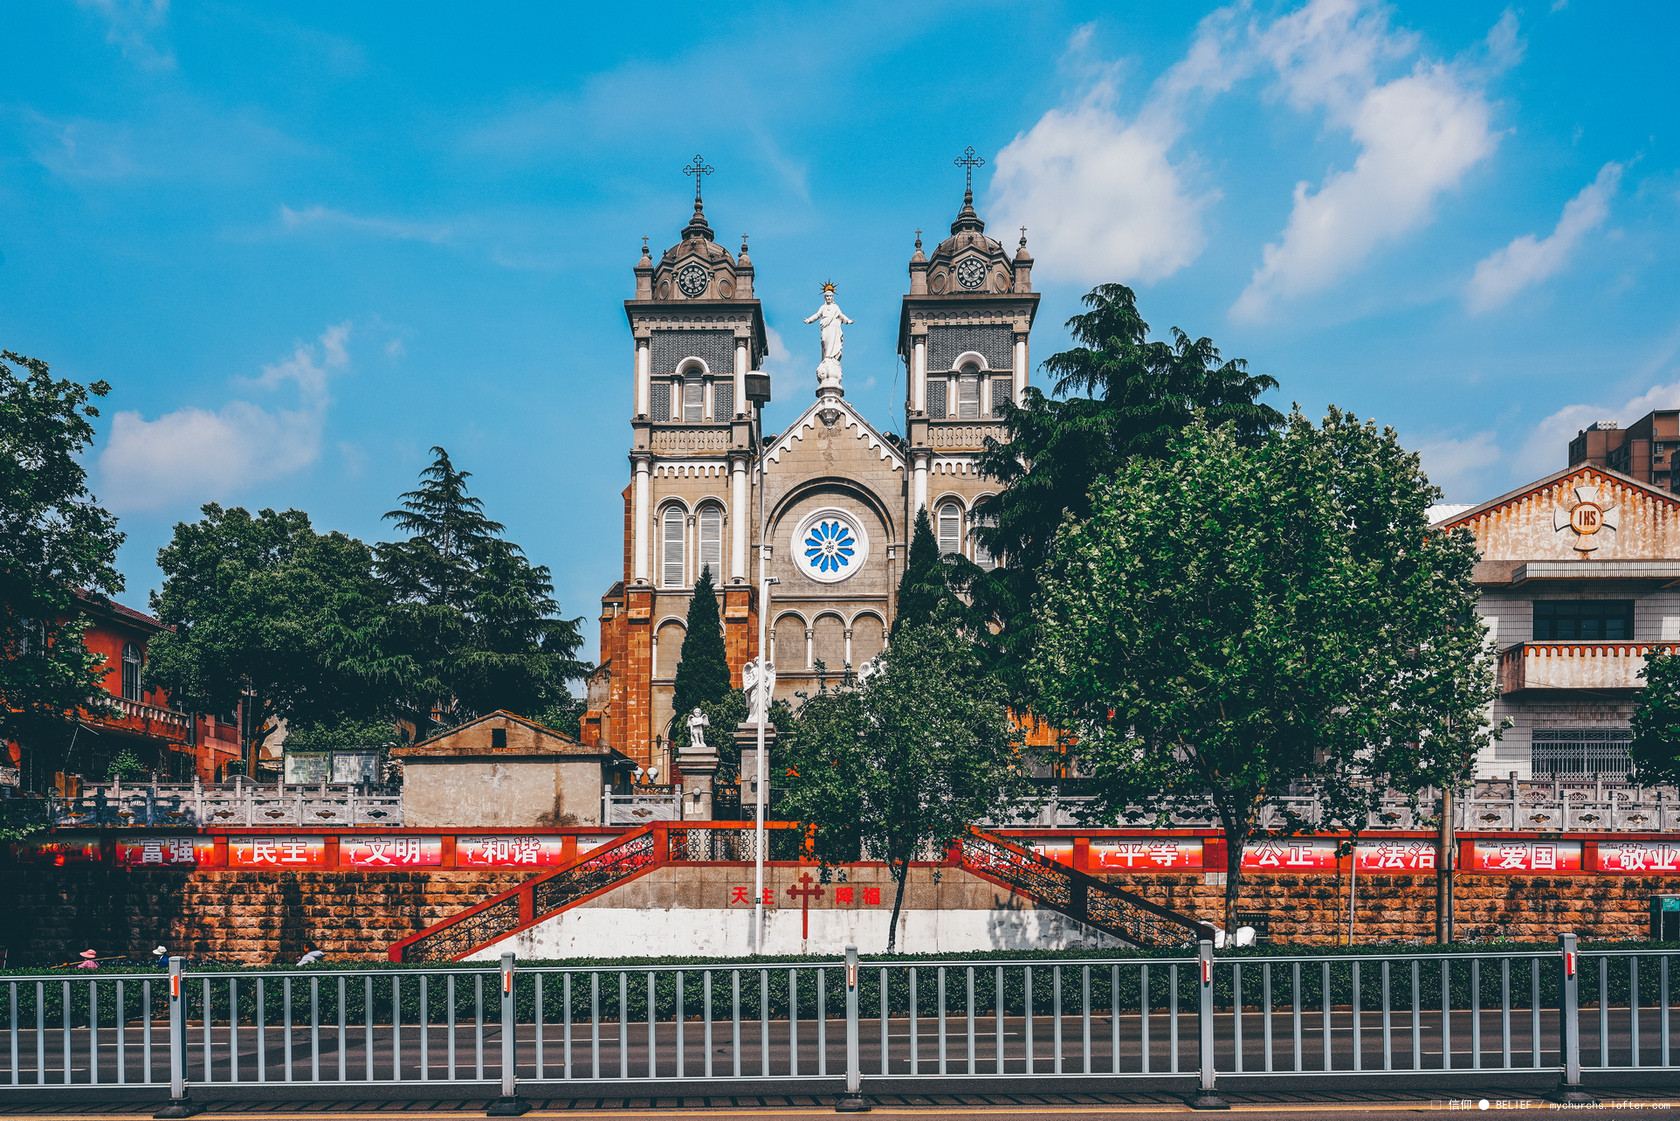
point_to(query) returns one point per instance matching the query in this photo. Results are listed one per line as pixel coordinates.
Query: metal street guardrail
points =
(846, 1024)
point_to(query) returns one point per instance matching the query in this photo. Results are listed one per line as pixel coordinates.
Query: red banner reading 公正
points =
(1290, 854)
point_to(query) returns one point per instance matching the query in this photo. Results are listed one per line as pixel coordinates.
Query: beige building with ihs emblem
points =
(825, 506)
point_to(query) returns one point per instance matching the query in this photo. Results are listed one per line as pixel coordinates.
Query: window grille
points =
(968, 393)
(671, 567)
(995, 342)
(659, 400)
(950, 528)
(1003, 391)
(1581, 753)
(131, 671)
(711, 540)
(723, 400)
(694, 401)
(936, 398)
(1584, 620)
(668, 348)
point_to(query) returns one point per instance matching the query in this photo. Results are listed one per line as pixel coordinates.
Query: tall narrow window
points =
(711, 541)
(131, 671)
(694, 400)
(723, 400)
(671, 560)
(659, 401)
(982, 555)
(936, 397)
(950, 528)
(1003, 392)
(968, 393)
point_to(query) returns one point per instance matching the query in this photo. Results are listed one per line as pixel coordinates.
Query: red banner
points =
(507, 852)
(1291, 854)
(277, 852)
(1525, 856)
(390, 852)
(1059, 851)
(166, 852)
(1396, 856)
(1646, 857)
(57, 852)
(1145, 856)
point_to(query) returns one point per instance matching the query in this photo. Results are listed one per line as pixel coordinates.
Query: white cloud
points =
(198, 455)
(132, 25)
(1459, 466)
(1529, 260)
(1547, 447)
(323, 217)
(1418, 135)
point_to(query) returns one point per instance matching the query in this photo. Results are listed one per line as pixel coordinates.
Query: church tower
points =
(699, 339)
(962, 333)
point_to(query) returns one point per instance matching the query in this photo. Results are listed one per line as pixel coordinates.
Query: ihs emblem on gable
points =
(1587, 519)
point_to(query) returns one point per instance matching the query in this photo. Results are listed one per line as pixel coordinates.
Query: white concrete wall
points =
(586, 932)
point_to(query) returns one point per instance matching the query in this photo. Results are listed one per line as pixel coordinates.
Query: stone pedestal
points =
(699, 768)
(746, 739)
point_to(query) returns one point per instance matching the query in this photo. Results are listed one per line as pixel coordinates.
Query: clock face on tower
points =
(971, 273)
(692, 279)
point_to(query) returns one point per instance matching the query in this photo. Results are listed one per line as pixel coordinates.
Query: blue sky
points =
(304, 243)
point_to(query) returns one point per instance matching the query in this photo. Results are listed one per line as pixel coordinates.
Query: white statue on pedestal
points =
(697, 725)
(758, 681)
(833, 339)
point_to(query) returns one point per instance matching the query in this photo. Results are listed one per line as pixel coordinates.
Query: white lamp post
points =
(762, 791)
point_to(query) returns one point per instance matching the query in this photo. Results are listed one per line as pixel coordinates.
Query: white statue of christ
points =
(833, 338)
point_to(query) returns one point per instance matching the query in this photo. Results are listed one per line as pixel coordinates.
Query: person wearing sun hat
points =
(89, 960)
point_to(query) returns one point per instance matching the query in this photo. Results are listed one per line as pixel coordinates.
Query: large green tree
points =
(1656, 721)
(903, 762)
(473, 625)
(924, 591)
(54, 539)
(1118, 395)
(269, 613)
(703, 671)
(1232, 619)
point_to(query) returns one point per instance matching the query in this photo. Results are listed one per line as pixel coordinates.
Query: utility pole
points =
(1446, 844)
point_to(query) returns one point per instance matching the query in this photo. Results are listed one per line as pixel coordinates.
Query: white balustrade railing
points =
(236, 803)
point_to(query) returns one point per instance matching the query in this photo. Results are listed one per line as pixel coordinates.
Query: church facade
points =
(824, 507)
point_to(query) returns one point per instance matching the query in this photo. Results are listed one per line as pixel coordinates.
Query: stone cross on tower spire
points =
(968, 161)
(700, 167)
(697, 226)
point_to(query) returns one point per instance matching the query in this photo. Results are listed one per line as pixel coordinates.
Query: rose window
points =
(829, 547)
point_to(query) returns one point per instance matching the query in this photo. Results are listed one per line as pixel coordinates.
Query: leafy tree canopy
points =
(473, 625)
(1236, 618)
(1118, 396)
(1656, 722)
(269, 612)
(54, 539)
(904, 762)
(703, 672)
(925, 597)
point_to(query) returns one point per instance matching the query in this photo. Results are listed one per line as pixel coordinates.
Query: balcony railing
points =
(227, 804)
(690, 438)
(1575, 665)
(145, 720)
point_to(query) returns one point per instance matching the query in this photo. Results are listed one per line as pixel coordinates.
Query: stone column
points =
(918, 375)
(1020, 365)
(643, 392)
(740, 378)
(698, 769)
(639, 518)
(918, 488)
(738, 518)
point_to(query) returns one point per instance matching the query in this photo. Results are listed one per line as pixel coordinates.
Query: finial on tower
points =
(697, 227)
(918, 238)
(1023, 237)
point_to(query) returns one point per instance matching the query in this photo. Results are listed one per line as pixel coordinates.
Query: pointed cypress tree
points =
(923, 593)
(703, 673)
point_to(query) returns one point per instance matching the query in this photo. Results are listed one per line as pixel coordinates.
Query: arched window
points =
(711, 542)
(949, 529)
(982, 556)
(694, 399)
(671, 545)
(968, 392)
(131, 671)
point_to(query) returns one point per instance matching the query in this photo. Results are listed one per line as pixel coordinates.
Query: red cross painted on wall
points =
(805, 894)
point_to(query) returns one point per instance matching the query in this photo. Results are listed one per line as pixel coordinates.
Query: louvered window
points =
(694, 400)
(936, 398)
(723, 400)
(659, 400)
(968, 393)
(711, 541)
(1003, 390)
(671, 537)
(983, 556)
(131, 671)
(950, 528)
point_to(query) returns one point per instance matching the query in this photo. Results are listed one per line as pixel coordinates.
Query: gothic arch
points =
(868, 497)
